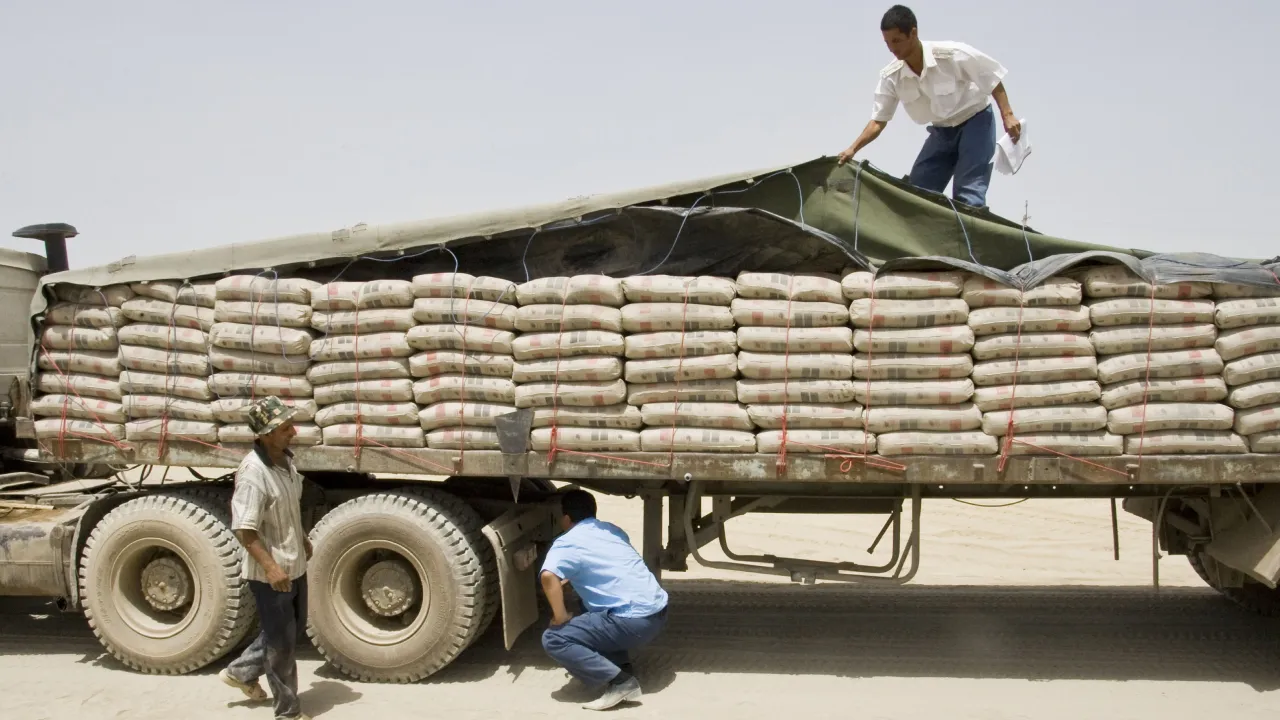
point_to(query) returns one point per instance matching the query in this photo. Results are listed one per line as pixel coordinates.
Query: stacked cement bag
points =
(77, 384)
(569, 364)
(1165, 334)
(912, 365)
(1248, 322)
(795, 356)
(681, 365)
(260, 345)
(464, 368)
(1035, 370)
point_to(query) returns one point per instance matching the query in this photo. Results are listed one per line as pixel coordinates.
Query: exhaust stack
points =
(55, 237)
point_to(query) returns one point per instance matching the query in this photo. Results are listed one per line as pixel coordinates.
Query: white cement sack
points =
(1241, 342)
(936, 443)
(439, 388)
(364, 391)
(908, 366)
(235, 410)
(363, 322)
(1171, 364)
(369, 413)
(143, 383)
(816, 441)
(1233, 291)
(1005, 320)
(94, 362)
(573, 394)
(454, 362)
(251, 362)
(798, 366)
(164, 338)
(785, 286)
(159, 312)
(1026, 395)
(258, 313)
(85, 386)
(1157, 338)
(726, 416)
(904, 285)
(795, 391)
(665, 370)
(1264, 392)
(592, 369)
(1263, 366)
(932, 418)
(704, 290)
(1247, 313)
(84, 408)
(332, 372)
(908, 313)
(981, 291)
(361, 347)
(1035, 370)
(1170, 416)
(63, 337)
(111, 295)
(461, 311)
(696, 440)
(787, 313)
(567, 318)
(85, 316)
(78, 430)
(229, 384)
(913, 392)
(199, 294)
(620, 416)
(308, 435)
(1118, 281)
(942, 340)
(371, 294)
(1098, 443)
(1144, 312)
(796, 340)
(577, 290)
(265, 289)
(261, 338)
(1268, 442)
(1257, 420)
(1185, 442)
(586, 439)
(374, 435)
(1032, 345)
(460, 414)
(570, 344)
(806, 415)
(651, 346)
(164, 362)
(463, 439)
(460, 337)
(1201, 389)
(1057, 419)
(656, 317)
(158, 406)
(686, 391)
(152, 429)
(455, 284)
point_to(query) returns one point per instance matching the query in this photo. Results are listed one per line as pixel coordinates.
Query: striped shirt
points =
(268, 500)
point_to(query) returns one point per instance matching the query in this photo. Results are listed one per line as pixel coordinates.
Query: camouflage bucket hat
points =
(268, 414)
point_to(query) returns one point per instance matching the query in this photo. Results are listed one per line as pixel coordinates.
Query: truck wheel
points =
(399, 584)
(161, 585)
(1253, 596)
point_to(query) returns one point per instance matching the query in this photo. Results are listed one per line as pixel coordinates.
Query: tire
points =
(1253, 596)
(436, 538)
(191, 529)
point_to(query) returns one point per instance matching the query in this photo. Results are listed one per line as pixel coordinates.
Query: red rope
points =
(1013, 393)
(355, 354)
(69, 389)
(866, 410)
(462, 390)
(1073, 457)
(1146, 384)
(786, 380)
(684, 334)
(553, 447)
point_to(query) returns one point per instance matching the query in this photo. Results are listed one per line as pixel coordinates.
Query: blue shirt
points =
(606, 572)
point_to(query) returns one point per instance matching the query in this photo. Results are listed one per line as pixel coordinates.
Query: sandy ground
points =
(1017, 612)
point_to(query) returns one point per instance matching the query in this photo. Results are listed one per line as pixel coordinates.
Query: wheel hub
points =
(388, 587)
(166, 584)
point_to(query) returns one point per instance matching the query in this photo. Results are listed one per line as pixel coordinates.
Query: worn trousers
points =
(274, 652)
(961, 155)
(593, 645)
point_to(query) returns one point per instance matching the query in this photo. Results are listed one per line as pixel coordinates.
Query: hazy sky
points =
(161, 126)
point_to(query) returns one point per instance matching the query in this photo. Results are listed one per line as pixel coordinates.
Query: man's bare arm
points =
(257, 549)
(553, 588)
(1011, 124)
(869, 133)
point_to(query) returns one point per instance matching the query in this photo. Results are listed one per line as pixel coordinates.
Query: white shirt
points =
(954, 85)
(268, 500)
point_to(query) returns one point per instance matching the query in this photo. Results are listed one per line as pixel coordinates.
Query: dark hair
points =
(578, 505)
(898, 17)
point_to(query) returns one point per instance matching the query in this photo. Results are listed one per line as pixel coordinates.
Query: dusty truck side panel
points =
(35, 549)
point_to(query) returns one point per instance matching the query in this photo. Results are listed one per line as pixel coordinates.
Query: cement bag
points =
(460, 414)
(1185, 442)
(79, 361)
(360, 347)
(1265, 392)
(907, 313)
(586, 439)
(651, 346)
(806, 415)
(1118, 281)
(1263, 366)
(85, 316)
(933, 418)
(727, 416)
(86, 386)
(1056, 419)
(905, 366)
(157, 406)
(198, 294)
(363, 322)
(704, 290)
(981, 291)
(370, 413)
(795, 391)
(655, 317)
(567, 318)
(786, 313)
(785, 286)
(816, 441)
(664, 370)
(1140, 311)
(696, 440)
(936, 443)
(460, 311)
(229, 384)
(264, 289)
(460, 337)
(438, 388)
(235, 410)
(796, 340)
(77, 430)
(78, 407)
(1170, 416)
(1004, 320)
(1244, 313)
(332, 372)
(372, 294)
(374, 435)
(913, 392)
(258, 313)
(151, 429)
(159, 312)
(308, 435)
(1032, 345)
(112, 296)
(800, 366)
(1171, 364)
(1004, 397)
(1268, 442)
(251, 362)
(620, 416)
(1253, 421)
(569, 344)
(1179, 390)
(577, 290)
(164, 338)
(1035, 370)
(262, 338)
(1137, 338)
(456, 284)
(1241, 342)
(366, 391)
(143, 383)
(63, 337)
(686, 391)
(903, 285)
(1076, 444)
(573, 394)
(592, 369)
(164, 362)
(463, 439)
(942, 340)
(452, 362)
(1232, 291)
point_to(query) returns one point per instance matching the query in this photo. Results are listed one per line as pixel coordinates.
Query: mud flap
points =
(1247, 536)
(514, 535)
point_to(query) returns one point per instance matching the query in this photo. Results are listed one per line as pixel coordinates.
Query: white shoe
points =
(254, 692)
(614, 695)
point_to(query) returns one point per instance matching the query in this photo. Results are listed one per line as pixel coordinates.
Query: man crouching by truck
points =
(626, 607)
(266, 516)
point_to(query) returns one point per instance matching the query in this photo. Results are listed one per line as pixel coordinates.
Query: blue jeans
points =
(592, 646)
(274, 652)
(962, 152)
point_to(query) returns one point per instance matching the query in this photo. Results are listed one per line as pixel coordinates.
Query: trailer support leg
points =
(652, 541)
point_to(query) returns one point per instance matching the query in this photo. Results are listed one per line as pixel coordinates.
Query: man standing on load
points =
(949, 86)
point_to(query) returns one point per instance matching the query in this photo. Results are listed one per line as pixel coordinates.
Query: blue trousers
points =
(591, 646)
(962, 153)
(274, 652)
